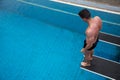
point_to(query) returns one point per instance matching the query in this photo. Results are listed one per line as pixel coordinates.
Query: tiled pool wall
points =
(62, 15)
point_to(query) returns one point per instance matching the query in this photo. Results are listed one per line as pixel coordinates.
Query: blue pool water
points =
(34, 50)
(37, 44)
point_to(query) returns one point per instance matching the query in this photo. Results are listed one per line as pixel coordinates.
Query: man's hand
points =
(83, 50)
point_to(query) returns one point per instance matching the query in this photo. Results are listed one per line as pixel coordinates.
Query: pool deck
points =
(97, 4)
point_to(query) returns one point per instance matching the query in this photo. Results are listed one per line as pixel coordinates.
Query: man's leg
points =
(88, 57)
(90, 54)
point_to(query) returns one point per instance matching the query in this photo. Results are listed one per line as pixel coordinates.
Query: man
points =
(92, 33)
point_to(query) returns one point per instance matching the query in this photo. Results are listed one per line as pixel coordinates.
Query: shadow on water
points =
(118, 54)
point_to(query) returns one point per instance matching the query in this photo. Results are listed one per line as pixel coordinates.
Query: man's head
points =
(84, 14)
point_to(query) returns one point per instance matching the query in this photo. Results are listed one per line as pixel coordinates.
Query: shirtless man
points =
(92, 34)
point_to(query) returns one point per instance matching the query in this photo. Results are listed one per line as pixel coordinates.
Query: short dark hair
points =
(84, 14)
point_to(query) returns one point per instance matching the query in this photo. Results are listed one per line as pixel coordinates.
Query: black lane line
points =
(109, 38)
(105, 67)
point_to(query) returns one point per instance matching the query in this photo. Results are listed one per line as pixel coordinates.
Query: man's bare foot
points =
(85, 64)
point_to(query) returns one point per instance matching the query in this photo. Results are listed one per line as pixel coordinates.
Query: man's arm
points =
(89, 41)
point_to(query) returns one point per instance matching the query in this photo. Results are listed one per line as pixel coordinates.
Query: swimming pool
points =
(45, 47)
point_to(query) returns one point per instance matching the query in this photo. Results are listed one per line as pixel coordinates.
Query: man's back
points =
(94, 28)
